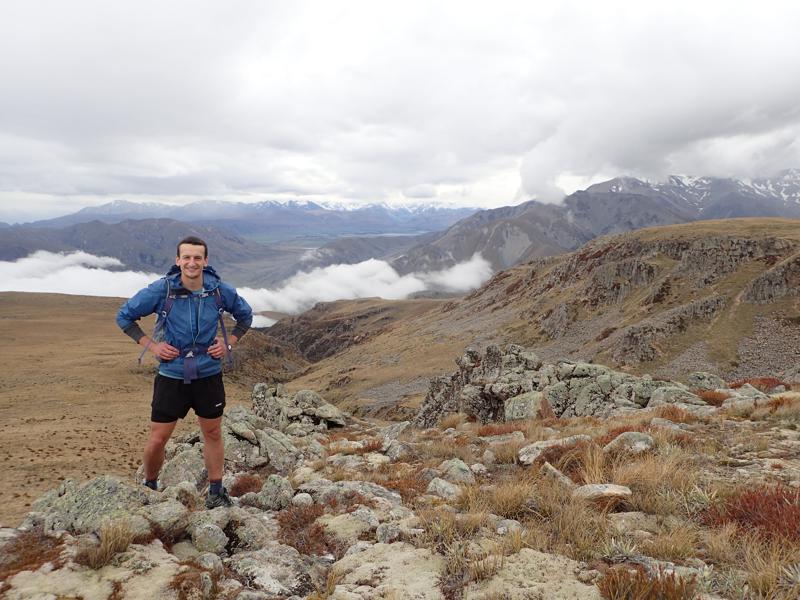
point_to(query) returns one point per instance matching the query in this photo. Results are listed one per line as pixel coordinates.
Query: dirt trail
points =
(74, 403)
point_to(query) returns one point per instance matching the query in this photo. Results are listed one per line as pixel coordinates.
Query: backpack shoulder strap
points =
(161, 320)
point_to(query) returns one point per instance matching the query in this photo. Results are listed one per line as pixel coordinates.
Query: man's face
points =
(191, 261)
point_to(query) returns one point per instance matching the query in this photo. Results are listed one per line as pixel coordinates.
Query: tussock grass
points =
(564, 525)
(115, 537)
(659, 481)
(675, 414)
(508, 453)
(515, 499)
(445, 450)
(623, 583)
(188, 584)
(452, 421)
(675, 545)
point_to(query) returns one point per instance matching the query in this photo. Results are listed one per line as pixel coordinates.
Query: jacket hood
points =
(210, 278)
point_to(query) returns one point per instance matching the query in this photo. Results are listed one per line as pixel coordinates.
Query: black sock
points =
(215, 487)
(152, 484)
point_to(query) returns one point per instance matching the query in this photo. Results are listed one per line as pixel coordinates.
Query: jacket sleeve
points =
(145, 302)
(239, 308)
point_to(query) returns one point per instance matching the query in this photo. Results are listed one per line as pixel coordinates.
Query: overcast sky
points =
(470, 103)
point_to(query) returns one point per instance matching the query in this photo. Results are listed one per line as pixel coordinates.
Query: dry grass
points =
(783, 407)
(623, 583)
(446, 449)
(675, 414)
(564, 525)
(405, 481)
(452, 421)
(762, 384)
(660, 481)
(115, 537)
(332, 578)
(508, 453)
(502, 428)
(713, 397)
(298, 528)
(676, 545)
(584, 462)
(514, 499)
(246, 483)
(27, 552)
(188, 584)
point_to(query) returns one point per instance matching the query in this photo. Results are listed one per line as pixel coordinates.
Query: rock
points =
(282, 454)
(386, 570)
(83, 509)
(557, 477)
(325, 492)
(605, 493)
(387, 533)
(210, 562)
(349, 527)
(392, 432)
(208, 537)
(665, 424)
(506, 526)
(478, 469)
(699, 380)
(532, 574)
(456, 471)
(531, 452)
(278, 570)
(302, 499)
(529, 405)
(673, 395)
(275, 494)
(169, 519)
(630, 442)
(443, 489)
(187, 466)
(748, 391)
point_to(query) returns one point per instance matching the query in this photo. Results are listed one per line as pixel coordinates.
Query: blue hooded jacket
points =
(192, 320)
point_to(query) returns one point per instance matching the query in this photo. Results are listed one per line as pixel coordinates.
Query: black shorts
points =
(172, 398)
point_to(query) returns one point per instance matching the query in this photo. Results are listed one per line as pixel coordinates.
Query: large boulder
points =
(83, 509)
(278, 570)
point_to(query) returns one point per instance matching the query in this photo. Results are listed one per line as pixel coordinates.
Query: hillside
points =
(716, 295)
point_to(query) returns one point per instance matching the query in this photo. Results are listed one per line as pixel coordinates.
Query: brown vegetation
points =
(766, 510)
(115, 537)
(626, 583)
(246, 483)
(27, 552)
(298, 528)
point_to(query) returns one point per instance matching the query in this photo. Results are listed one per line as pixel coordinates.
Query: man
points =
(190, 301)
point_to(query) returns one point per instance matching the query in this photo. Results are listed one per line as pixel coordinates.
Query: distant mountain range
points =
(263, 244)
(510, 235)
(274, 221)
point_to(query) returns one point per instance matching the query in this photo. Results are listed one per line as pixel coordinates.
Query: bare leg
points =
(213, 448)
(154, 450)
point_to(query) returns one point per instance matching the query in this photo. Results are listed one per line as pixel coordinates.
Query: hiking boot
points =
(217, 500)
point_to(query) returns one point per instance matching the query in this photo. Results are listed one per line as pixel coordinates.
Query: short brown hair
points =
(194, 241)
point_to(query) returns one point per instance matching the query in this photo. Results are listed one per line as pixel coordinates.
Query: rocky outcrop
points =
(778, 282)
(516, 385)
(296, 414)
(638, 343)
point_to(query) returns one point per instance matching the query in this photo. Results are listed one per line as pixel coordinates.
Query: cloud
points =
(77, 273)
(475, 103)
(365, 279)
(87, 275)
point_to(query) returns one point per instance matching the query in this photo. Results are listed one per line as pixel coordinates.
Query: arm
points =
(145, 302)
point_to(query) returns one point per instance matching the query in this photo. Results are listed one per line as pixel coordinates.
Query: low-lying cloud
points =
(79, 273)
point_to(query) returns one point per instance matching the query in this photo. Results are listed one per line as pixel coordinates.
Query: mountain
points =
(510, 235)
(270, 221)
(718, 296)
(141, 245)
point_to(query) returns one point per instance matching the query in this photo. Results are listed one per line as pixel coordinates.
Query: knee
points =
(157, 441)
(213, 434)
